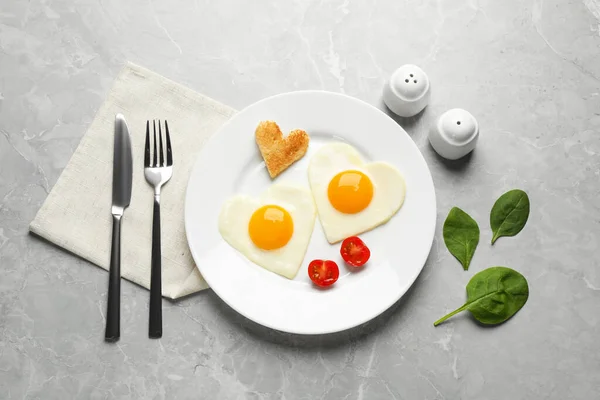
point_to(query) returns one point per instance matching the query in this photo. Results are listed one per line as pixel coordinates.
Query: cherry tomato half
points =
(323, 272)
(355, 252)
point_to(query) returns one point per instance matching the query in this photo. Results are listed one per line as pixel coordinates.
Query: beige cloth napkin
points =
(76, 214)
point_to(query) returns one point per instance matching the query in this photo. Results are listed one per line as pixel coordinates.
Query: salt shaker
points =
(454, 134)
(407, 91)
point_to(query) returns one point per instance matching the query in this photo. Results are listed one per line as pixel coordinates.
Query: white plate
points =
(230, 163)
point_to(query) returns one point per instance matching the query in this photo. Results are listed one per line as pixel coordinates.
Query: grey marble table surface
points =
(529, 70)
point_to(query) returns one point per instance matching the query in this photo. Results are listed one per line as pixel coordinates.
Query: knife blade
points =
(122, 166)
(121, 198)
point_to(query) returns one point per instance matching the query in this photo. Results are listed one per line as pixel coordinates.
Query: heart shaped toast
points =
(280, 152)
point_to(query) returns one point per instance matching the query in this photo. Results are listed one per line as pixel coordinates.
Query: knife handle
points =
(155, 323)
(113, 308)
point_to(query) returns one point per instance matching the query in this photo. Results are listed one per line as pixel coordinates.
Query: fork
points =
(157, 173)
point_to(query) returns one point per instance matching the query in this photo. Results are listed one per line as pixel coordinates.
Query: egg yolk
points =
(270, 227)
(350, 192)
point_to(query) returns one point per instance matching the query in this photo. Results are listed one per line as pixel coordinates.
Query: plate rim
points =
(343, 327)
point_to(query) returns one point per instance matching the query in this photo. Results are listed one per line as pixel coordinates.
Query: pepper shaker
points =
(454, 134)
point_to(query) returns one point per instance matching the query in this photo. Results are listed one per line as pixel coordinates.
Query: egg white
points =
(285, 261)
(389, 191)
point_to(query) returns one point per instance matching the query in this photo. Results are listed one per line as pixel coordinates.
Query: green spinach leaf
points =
(461, 235)
(493, 296)
(509, 214)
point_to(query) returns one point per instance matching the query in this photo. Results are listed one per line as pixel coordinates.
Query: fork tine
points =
(147, 146)
(154, 163)
(169, 153)
(162, 156)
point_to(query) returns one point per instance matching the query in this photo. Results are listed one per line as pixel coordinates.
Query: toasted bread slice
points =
(280, 152)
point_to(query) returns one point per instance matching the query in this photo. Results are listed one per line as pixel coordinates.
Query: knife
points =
(121, 197)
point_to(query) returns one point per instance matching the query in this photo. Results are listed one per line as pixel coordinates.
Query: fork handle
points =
(113, 306)
(155, 326)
